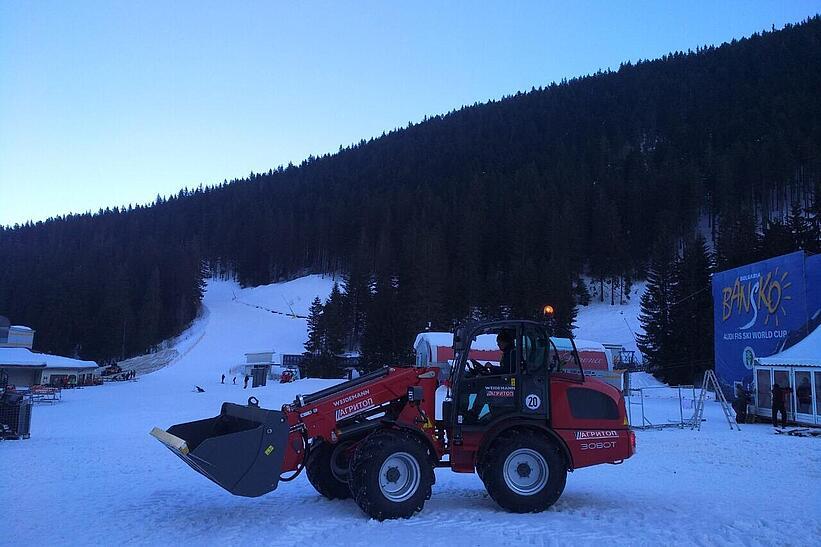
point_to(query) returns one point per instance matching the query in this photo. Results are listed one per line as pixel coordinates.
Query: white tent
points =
(797, 367)
(806, 353)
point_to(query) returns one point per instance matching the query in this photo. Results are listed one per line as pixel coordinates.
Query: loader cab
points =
(502, 369)
(485, 397)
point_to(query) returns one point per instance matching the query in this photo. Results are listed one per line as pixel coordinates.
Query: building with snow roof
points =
(24, 367)
(20, 366)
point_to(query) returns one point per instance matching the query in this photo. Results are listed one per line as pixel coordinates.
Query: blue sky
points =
(109, 103)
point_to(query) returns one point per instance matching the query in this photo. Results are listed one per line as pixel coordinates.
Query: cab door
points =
(482, 396)
(535, 344)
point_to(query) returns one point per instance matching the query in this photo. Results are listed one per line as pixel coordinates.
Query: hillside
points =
(489, 210)
(236, 321)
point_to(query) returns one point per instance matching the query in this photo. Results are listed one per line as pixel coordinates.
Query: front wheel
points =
(524, 472)
(323, 473)
(391, 475)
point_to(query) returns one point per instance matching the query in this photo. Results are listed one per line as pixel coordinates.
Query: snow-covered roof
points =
(56, 361)
(24, 357)
(444, 339)
(20, 327)
(807, 352)
(20, 357)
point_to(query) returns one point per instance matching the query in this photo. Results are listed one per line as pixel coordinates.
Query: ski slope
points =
(91, 475)
(608, 324)
(239, 321)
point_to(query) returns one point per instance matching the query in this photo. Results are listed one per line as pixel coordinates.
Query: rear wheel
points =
(391, 475)
(524, 472)
(324, 469)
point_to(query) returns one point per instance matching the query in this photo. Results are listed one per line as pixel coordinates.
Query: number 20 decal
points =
(533, 402)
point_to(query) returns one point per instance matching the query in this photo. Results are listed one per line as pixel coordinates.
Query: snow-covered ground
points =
(91, 474)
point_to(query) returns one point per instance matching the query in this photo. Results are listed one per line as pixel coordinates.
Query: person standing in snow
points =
(246, 382)
(235, 380)
(222, 380)
(740, 404)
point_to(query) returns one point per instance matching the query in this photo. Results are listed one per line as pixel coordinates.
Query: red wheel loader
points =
(521, 422)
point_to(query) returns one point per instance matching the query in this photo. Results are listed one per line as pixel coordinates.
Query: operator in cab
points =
(505, 342)
(506, 361)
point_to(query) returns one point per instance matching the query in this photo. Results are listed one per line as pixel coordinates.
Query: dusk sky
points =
(110, 103)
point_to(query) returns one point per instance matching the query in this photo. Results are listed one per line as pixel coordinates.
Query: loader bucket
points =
(241, 450)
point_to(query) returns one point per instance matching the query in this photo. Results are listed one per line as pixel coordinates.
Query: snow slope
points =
(239, 321)
(608, 324)
(91, 474)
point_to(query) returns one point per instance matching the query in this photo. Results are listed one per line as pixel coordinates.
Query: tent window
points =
(764, 391)
(803, 392)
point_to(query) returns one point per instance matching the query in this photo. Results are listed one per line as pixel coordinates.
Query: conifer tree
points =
(356, 285)
(656, 342)
(386, 339)
(691, 316)
(315, 356)
(335, 325)
(802, 229)
(814, 221)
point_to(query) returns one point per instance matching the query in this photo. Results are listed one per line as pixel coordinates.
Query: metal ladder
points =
(710, 378)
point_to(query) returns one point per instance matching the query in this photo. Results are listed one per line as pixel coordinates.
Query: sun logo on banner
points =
(771, 295)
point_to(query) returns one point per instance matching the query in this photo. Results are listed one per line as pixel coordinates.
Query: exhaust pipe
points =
(242, 449)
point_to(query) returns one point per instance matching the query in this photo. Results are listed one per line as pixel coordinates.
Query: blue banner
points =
(761, 309)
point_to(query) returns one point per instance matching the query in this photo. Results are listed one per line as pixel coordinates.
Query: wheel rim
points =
(339, 462)
(399, 476)
(526, 472)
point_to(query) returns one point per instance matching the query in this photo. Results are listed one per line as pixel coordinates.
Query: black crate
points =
(15, 417)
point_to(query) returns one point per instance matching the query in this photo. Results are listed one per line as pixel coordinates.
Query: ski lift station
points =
(767, 317)
(261, 366)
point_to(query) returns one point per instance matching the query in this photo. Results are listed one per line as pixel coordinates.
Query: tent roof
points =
(807, 352)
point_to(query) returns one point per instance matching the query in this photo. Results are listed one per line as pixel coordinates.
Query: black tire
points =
(320, 474)
(524, 471)
(391, 475)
